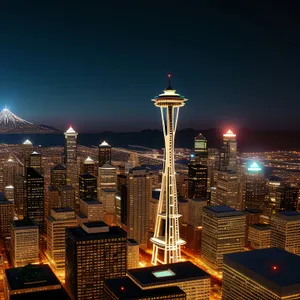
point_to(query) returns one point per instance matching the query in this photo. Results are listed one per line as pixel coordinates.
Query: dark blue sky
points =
(96, 66)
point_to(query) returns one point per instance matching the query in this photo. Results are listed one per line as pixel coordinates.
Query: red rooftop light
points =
(274, 268)
(122, 288)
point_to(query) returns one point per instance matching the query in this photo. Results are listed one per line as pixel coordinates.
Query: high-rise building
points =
(9, 192)
(67, 196)
(134, 160)
(87, 186)
(19, 197)
(200, 149)
(92, 209)
(271, 205)
(33, 282)
(195, 211)
(104, 154)
(166, 239)
(121, 179)
(261, 274)
(118, 202)
(139, 195)
(253, 216)
(107, 178)
(227, 189)
(188, 277)
(286, 231)
(57, 222)
(108, 196)
(133, 252)
(34, 208)
(35, 161)
(53, 200)
(58, 176)
(259, 236)
(228, 153)
(223, 232)
(89, 166)
(197, 180)
(27, 150)
(124, 204)
(11, 169)
(94, 252)
(287, 198)
(125, 289)
(254, 189)
(71, 161)
(7, 215)
(24, 243)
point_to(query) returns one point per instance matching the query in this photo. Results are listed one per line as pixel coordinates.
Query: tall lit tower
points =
(228, 153)
(166, 239)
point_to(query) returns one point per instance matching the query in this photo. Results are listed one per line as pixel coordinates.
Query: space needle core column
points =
(166, 239)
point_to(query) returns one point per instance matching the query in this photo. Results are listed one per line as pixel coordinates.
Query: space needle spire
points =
(166, 239)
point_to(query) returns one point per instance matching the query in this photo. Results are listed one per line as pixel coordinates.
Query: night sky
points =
(97, 66)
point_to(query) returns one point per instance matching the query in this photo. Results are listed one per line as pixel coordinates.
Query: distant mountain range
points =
(12, 124)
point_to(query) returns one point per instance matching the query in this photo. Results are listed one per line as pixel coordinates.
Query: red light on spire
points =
(122, 288)
(169, 75)
(274, 268)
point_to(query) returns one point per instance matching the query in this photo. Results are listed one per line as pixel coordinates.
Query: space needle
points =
(166, 239)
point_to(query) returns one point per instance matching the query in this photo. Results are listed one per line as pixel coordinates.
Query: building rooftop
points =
(109, 190)
(122, 176)
(31, 276)
(62, 209)
(59, 167)
(66, 188)
(107, 166)
(91, 201)
(32, 173)
(24, 223)
(288, 215)
(125, 288)
(60, 294)
(87, 176)
(261, 226)
(169, 273)
(81, 215)
(198, 199)
(104, 144)
(273, 268)
(3, 199)
(132, 242)
(79, 234)
(252, 211)
(222, 211)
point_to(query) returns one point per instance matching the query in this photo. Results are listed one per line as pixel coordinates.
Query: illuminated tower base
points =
(166, 239)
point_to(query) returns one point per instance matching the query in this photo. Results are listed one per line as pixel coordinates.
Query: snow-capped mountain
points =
(10, 123)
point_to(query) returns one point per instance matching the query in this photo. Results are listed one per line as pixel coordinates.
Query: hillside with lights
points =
(12, 124)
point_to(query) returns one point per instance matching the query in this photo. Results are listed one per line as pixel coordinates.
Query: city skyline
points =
(105, 64)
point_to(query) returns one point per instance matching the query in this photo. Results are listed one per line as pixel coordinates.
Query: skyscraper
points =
(58, 176)
(223, 232)
(166, 239)
(139, 195)
(35, 161)
(107, 178)
(7, 215)
(67, 196)
(200, 149)
(27, 150)
(104, 153)
(133, 248)
(94, 252)
(10, 170)
(89, 166)
(34, 208)
(87, 186)
(254, 189)
(287, 198)
(71, 160)
(19, 197)
(228, 153)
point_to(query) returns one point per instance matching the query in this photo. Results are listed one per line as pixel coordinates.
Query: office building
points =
(166, 239)
(133, 253)
(195, 211)
(87, 186)
(254, 189)
(287, 198)
(92, 209)
(108, 196)
(139, 195)
(188, 277)
(104, 154)
(89, 166)
(27, 150)
(19, 195)
(24, 242)
(223, 232)
(34, 208)
(33, 282)
(7, 215)
(53, 200)
(124, 204)
(9, 192)
(261, 274)
(107, 178)
(94, 252)
(228, 152)
(197, 180)
(125, 289)
(121, 180)
(58, 176)
(271, 205)
(67, 196)
(11, 169)
(259, 236)
(286, 231)
(35, 161)
(227, 189)
(57, 222)
(118, 209)
(200, 149)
